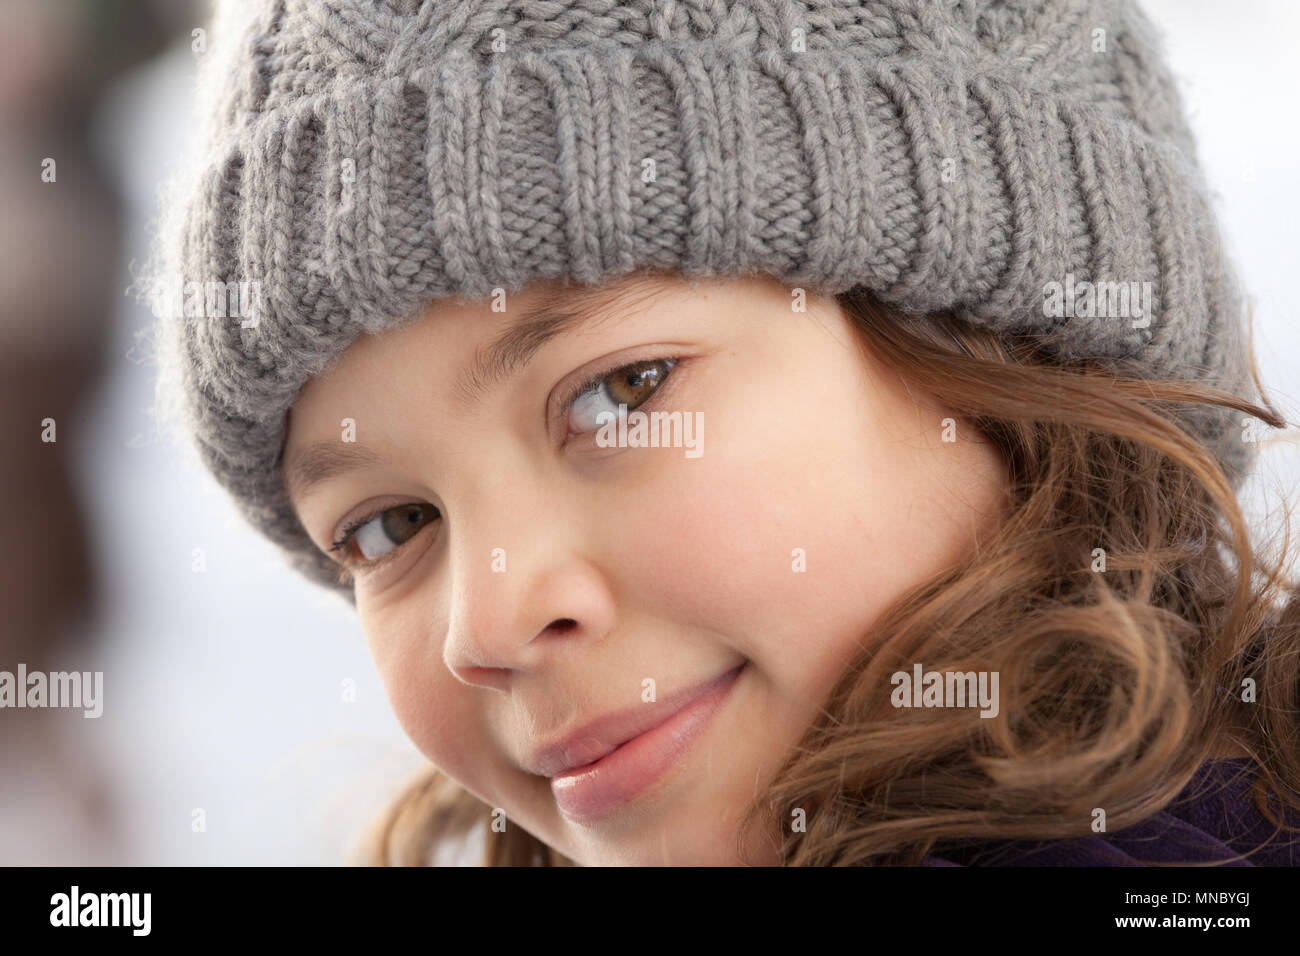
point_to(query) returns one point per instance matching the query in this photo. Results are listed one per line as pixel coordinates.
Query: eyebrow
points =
(325, 460)
(562, 309)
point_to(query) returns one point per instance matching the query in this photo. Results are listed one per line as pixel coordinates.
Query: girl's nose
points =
(524, 589)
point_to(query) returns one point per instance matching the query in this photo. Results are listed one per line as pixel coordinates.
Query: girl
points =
(756, 434)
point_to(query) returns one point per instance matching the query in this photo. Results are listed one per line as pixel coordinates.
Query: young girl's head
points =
(517, 581)
(747, 439)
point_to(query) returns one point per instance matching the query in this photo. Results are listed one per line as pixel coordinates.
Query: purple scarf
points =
(1213, 819)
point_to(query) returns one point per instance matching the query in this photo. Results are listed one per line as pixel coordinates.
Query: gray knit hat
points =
(989, 157)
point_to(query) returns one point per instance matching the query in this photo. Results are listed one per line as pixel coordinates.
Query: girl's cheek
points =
(729, 539)
(435, 710)
(780, 541)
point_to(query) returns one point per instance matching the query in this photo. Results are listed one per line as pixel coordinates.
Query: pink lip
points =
(622, 772)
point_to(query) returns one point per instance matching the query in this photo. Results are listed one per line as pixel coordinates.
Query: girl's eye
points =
(379, 534)
(629, 385)
(369, 539)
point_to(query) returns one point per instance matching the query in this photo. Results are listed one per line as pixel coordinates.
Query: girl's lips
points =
(587, 793)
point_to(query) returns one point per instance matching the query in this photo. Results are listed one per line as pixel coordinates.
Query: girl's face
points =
(519, 580)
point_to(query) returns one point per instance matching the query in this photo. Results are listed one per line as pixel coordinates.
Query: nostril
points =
(563, 624)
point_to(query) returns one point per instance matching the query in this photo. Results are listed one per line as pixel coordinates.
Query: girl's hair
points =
(1121, 681)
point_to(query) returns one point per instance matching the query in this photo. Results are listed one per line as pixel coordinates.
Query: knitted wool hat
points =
(989, 157)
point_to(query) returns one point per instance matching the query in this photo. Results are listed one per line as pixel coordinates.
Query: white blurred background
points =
(224, 689)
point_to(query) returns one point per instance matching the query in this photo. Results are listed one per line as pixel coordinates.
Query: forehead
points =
(508, 329)
(504, 332)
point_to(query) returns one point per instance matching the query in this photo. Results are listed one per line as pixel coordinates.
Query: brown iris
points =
(402, 522)
(635, 383)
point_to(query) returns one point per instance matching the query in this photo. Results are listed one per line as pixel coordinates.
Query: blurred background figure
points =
(242, 720)
(60, 252)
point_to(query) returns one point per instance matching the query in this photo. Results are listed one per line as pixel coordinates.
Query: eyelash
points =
(591, 384)
(345, 571)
